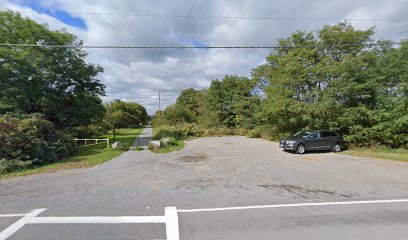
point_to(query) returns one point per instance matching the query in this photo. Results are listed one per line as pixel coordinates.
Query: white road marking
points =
(20, 223)
(172, 225)
(170, 219)
(12, 215)
(292, 205)
(97, 219)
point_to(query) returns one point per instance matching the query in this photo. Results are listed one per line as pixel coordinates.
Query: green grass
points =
(85, 156)
(179, 145)
(381, 153)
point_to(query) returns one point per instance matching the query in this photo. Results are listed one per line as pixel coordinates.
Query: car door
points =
(325, 140)
(312, 141)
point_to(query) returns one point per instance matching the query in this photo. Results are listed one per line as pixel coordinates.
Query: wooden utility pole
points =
(159, 102)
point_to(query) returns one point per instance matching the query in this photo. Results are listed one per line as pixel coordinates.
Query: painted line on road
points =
(172, 224)
(12, 215)
(293, 205)
(97, 219)
(20, 223)
(170, 219)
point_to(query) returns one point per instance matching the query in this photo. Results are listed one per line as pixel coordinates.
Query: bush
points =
(168, 142)
(31, 139)
(150, 146)
(90, 131)
(7, 166)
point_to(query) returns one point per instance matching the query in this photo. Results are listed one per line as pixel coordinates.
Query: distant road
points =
(144, 138)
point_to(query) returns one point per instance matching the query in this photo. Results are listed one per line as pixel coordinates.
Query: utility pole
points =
(159, 102)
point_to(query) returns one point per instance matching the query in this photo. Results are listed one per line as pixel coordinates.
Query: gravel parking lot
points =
(208, 172)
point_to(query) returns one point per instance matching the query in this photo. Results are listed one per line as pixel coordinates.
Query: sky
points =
(139, 74)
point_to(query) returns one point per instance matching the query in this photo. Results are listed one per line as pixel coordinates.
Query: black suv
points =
(313, 140)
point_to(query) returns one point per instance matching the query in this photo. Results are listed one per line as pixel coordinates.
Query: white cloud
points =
(138, 75)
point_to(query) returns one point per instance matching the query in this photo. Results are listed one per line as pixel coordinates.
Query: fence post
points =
(75, 141)
(107, 143)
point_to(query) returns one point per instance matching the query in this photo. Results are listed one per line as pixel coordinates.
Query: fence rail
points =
(95, 141)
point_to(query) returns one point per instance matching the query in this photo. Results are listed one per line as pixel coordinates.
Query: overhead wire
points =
(225, 17)
(189, 47)
(198, 19)
(188, 18)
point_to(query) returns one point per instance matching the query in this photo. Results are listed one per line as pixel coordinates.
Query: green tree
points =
(340, 82)
(230, 102)
(56, 82)
(121, 114)
(193, 100)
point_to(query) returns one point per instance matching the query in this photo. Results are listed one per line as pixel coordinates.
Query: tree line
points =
(48, 96)
(336, 78)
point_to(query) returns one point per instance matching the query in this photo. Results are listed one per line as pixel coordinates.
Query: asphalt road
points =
(215, 173)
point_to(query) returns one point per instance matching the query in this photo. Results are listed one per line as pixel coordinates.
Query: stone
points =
(155, 144)
(165, 141)
(116, 145)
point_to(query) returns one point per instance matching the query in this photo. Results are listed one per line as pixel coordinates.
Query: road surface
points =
(212, 174)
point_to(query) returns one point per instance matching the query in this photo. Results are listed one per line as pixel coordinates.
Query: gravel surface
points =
(208, 172)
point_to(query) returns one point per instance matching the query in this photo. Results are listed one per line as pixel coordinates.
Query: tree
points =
(230, 102)
(193, 100)
(121, 114)
(341, 83)
(56, 82)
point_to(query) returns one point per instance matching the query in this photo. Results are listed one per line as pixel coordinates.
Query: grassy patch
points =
(382, 153)
(85, 156)
(179, 145)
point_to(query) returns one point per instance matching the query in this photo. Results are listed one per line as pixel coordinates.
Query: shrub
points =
(168, 142)
(31, 139)
(150, 146)
(139, 148)
(90, 131)
(7, 166)
(254, 133)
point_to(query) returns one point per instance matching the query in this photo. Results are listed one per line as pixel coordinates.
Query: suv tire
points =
(336, 147)
(300, 149)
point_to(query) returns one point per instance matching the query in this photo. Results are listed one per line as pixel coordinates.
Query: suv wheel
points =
(300, 149)
(336, 147)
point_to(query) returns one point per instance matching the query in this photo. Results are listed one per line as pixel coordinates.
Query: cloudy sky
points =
(138, 75)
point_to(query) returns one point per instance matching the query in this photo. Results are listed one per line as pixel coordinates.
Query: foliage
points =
(193, 100)
(83, 157)
(31, 139)
(56, 82)
(230, 103)
(168, 142)
(139, 148)
(173, 114)
(345, 85)
(121, 114)
(334, 78)
(173, 145)
(90, 131)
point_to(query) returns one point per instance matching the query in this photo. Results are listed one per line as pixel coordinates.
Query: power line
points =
(306, 19)
(199, 16)
(188, 19)
(230, 17)
(190, 47)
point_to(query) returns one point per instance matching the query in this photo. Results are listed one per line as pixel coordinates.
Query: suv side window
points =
(333, 134)
(313, 135)
(325, 134)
